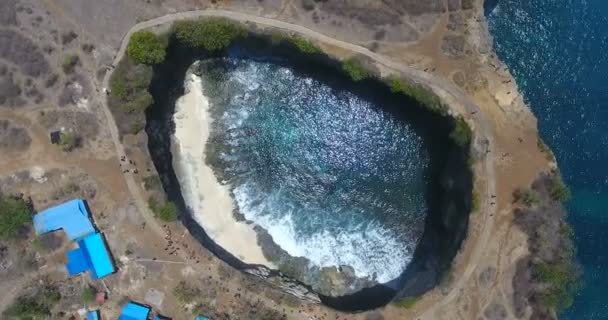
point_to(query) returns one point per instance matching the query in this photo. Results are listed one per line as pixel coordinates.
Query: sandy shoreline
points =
(210, 202)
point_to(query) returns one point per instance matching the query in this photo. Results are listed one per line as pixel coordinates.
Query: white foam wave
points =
(372, 251)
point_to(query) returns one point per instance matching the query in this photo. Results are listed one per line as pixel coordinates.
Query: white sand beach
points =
(209, 201)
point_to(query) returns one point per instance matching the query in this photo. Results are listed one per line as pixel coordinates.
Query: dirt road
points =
(442, 87)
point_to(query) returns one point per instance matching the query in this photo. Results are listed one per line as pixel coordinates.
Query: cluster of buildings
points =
(91, 255)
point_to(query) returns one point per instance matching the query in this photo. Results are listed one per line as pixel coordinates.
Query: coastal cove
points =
(447, 195)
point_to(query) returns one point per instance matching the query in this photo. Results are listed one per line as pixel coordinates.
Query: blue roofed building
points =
(74, 219)
(91, 255)
(201, 318)
(134, 311)
(93, 315)
(72, 216)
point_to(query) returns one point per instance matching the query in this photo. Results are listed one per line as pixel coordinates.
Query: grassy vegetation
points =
(87, 295)
(355, 70)
(559, 190)
(15, 214)
(407, 302)
(461, 134)
(530, 198)
(211, 34)
(303, 45)
(33, 307)
(424, 96)
(185, 293)
(147, 48)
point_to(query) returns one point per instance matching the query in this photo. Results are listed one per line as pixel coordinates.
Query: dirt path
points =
(442, 87)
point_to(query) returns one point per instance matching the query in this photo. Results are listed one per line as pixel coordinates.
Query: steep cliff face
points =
(448, 196)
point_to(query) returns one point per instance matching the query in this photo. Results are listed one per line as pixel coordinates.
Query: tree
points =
(147, 48)
(211, 34)
(15, 213)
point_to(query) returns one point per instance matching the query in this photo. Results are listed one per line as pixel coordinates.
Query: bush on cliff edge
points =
(147, 48)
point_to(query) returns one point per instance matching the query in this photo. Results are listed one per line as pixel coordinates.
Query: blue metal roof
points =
(93, 315)
(72, 216)
(92, 255)
(77, 263)
(201, 318)
(134, 311)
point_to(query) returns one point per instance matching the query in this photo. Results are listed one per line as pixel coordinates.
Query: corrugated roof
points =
(134, 311)
(92, 255)
(72, 216)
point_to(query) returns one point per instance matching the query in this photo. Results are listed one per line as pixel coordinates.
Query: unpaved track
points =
(442, 87)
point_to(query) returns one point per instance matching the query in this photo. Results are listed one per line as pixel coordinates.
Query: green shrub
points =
(153, 204)
(542, 147)
(529, 198)
(15, 214)
(67, 141)
(461, 133)
(168, 212)
(559, 190)
(211, 34)
(185, 293)
(561, 283)
(152, 182)
(128, 79)
(407, 302)
(138, 103)
(278, 37)
(303, 45)
(136, 127)
(69, 63)
(475, 201)
(33, 307)
(424, 96)
(355, 70)
(87, 295)
(147, 48)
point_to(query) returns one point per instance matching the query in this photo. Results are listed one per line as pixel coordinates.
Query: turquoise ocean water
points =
(331, 176)
(558, 52)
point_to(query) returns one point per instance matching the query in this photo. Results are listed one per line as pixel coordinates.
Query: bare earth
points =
(442, 43)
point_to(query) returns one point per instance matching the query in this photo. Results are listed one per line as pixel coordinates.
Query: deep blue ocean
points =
(558, 52)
